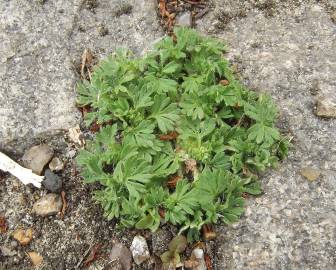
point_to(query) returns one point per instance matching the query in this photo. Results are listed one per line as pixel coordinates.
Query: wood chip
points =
(3, 225)
(35, 258)
(24, 237)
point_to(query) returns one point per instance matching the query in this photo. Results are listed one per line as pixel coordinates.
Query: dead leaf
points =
(95, 127)
(64, 204)
(208, 232)
(169, 136)
(310, 173)
(173, 181)
(3, 224)
(157, 263)
(167, 18)
(208, 262)
(76, 135)
(87, 63)
(35, 258)
(224, 82)
(93, 255)
(191, 166)
(199, 244)
(24, 237)
(162, 212)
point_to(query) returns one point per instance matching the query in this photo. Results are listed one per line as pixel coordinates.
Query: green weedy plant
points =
(181, 139)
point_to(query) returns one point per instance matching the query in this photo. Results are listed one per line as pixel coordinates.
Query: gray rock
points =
(56, 164)
(121, 254)
(48, 205)
(184, 19)
(139, 249)
(37, 157)
(52, 181)
(326, 108)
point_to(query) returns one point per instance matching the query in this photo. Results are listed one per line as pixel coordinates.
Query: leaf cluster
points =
(184, 85)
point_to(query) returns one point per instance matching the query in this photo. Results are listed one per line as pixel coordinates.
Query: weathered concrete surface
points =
(285, 48)
(288, 50)
(36, 80)
(41, 43)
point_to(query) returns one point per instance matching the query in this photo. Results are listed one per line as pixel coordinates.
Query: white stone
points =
(139, 249)
(198, 254)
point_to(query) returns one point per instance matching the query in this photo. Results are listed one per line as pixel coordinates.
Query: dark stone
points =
(52, 181)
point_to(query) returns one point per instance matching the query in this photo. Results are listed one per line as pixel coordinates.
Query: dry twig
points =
(26, 176)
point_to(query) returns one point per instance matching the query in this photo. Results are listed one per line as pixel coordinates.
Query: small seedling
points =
(171, 258)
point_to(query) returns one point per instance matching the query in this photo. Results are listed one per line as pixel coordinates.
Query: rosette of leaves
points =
(179, 102)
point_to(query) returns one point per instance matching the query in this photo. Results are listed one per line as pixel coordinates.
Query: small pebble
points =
(37, 157)
(48, 205)
(71, 153)
(326, 108)
(310, 173)
(56, 164)
(184, 19)
(52, 181)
